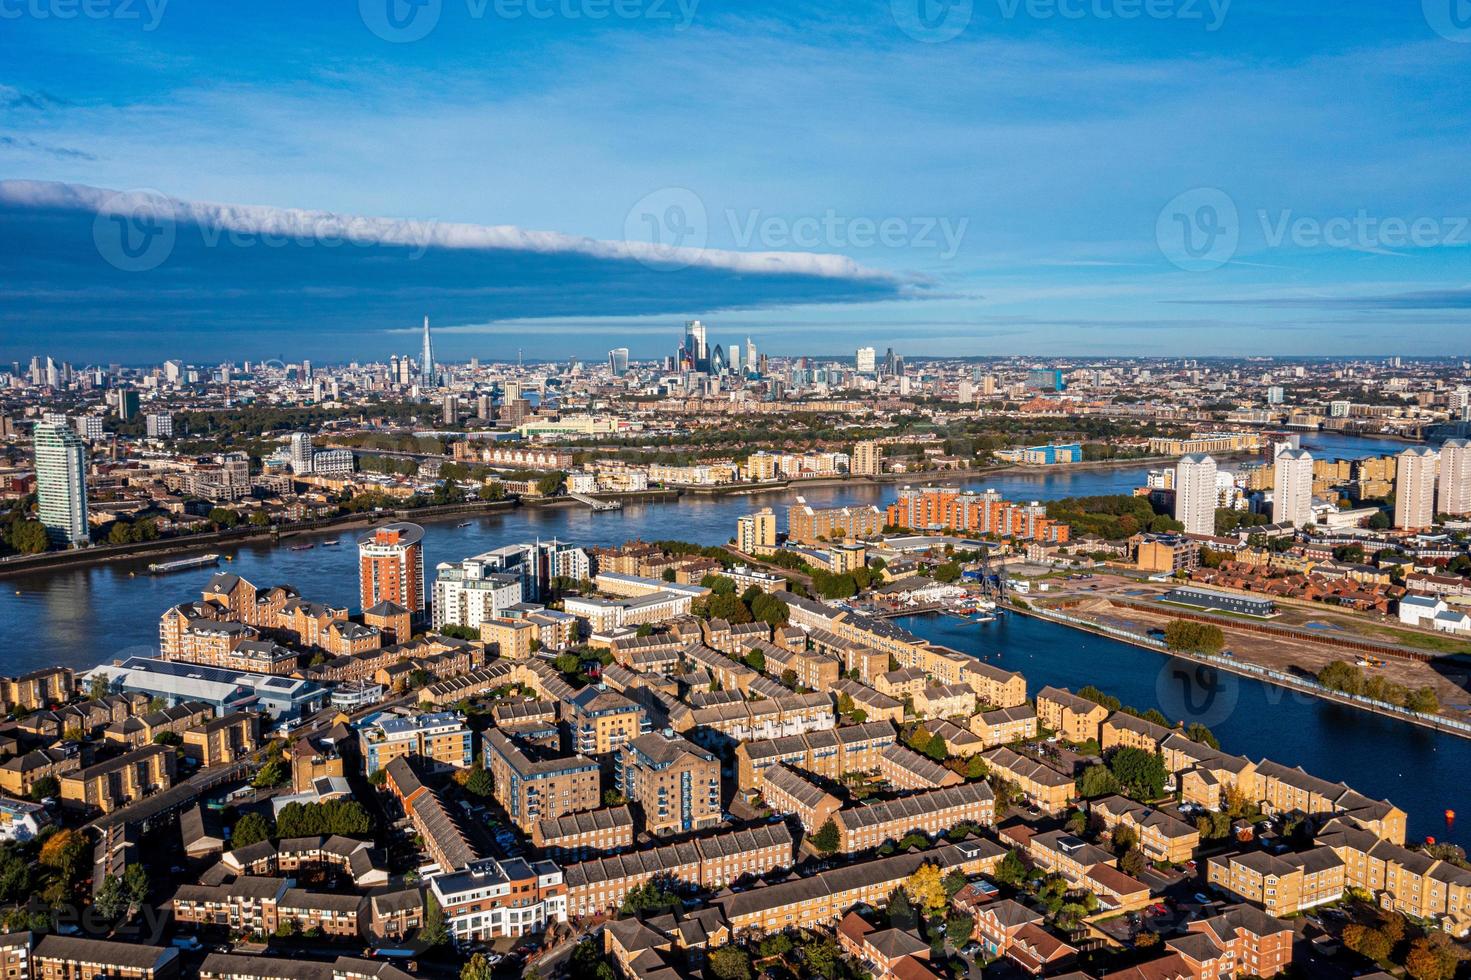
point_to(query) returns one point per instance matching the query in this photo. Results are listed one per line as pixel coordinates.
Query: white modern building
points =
(473, 592)
(1292, 488)
(1455, 477)
(61, 480)
(1196, 493)
(1414, 488)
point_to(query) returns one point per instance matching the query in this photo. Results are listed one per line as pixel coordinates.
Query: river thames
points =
(83, 616)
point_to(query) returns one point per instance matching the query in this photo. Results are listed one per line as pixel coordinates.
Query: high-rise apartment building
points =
(159, 425)
(1195, 493)
(1455, 477)
(61, 481)
(866, 459)
(1414, 488)
(391, 567)
(1292, 488)
(301, 452)
(756, 533)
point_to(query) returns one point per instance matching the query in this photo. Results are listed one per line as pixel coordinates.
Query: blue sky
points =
(1080, 177)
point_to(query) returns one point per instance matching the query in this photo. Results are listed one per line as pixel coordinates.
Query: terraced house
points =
(853, 748)
(1281, 884)
(863, 827)
(1162, 837)
(590, 833)
(1074, 719)
(787, 791)
(1039, 783)
(117, 782)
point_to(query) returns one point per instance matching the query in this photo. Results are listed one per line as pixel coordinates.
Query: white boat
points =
(183, 564)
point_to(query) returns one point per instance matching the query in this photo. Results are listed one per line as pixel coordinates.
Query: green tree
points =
(1097, 781)
(901, 910)
(45, 788)
(1197, 732)
(1191, 637)
(1142, 774)
(826, 839)
(475, 968)
(479, 782)
(730, 963)
(1011, 870)
(251, 828)
(434, 932)
(29, 537)
(273, 773)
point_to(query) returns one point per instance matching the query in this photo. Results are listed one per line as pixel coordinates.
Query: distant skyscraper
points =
(866, 360)
(1414, 488)
(1292, 488)
(159, 425)
(1195, 493)
(753, 359)
(61, 481)
(618, 361)
(426, 366)
(449, 409)
(696, 347)
(125, 403)
(301, 452)
(391, 567)
(1455, 477)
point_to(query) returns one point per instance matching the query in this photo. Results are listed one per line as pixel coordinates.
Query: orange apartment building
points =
(946, 508)
(810, 526)
(391, 567)
(1074, 719)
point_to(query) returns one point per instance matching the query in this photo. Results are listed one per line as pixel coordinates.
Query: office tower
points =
(753, 362)
(306, 370)
(866, 459)
(391, 567)
(301, 452)
(756, 533)
(449, 409)
(61, 481)
(173, 371)
(1455, 477)
(393, 369)
(1195, 493)
(736, 364)
(717, 361)
(866, 360)
(696, 349)
(1292, 488)
(159, 425)
(1414, 488)
(618, 361)
(125, 403)
(426, 366)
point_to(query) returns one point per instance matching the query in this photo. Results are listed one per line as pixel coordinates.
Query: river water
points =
(83, 616)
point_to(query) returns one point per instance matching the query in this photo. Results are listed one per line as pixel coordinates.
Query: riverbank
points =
(1255, 671)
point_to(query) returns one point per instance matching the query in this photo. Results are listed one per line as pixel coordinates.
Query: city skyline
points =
(1006, 211)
